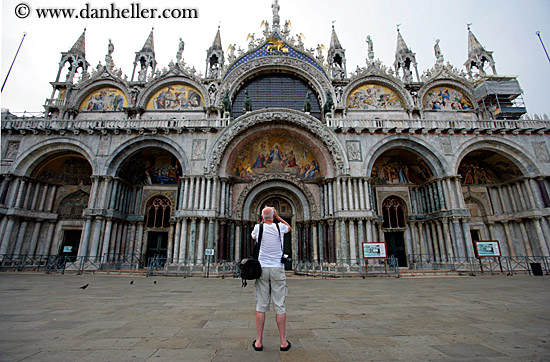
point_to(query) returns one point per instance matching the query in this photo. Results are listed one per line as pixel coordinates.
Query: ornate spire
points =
(145, 59)
(402, 47)
(336, 57)
(80, 46)
(477, 56)
(149, 45)
(404, 59)
(215, 58)
(334, 42)
(217, 43)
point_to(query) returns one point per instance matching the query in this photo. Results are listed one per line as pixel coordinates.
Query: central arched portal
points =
(293, 206)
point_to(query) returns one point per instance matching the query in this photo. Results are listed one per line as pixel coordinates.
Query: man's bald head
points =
(267, 214)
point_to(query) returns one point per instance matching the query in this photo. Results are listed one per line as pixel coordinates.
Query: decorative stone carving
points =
(354, 151)
(402, 192)
(541, 151)
(272, 177)
(11, 150)
(199, 150)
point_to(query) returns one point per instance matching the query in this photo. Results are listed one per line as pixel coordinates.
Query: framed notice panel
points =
(374, 250)
(486, 248)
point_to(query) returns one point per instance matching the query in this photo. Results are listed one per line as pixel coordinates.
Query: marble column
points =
(361, 186)
(177, 240)
(200, 242)
(222, 202)
(435, 239)
(208, 193)
(34, 238)
(459, 240)
(202, 193)
(139, 251)
(535, 190)
(96, 234)
(540, 235)
(210, 244)
(171, 237)
(337, 239)
(360, 237)
(338, 195)
(531, 204)
(20, 237)
(330, 200)
(525, 238)
(85, 239)
(183, 241)
(315, 241)
(509, 239)
(237, 241)
(447, 238)
(107, 239)
(185, 193)
(49, 237)
(523, 205)
(197, 193)
(352, 242)
(421, 239)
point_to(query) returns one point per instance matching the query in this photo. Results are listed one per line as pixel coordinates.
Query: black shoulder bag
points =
(250, 267)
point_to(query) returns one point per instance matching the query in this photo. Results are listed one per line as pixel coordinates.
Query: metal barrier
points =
(509, 265)
(341, 268)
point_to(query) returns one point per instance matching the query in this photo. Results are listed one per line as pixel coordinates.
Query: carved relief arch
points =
(388, 91)
(329, 147)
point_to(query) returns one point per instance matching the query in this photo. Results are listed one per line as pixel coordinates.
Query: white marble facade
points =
(453, 172)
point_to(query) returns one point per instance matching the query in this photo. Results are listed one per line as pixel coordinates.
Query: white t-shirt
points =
(271, 249)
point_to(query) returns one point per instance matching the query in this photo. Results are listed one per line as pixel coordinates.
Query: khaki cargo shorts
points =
(271, 285)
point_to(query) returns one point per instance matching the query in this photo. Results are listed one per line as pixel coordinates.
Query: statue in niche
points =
(226, 103)
(247, 102)
(307, 103)
(329, 104)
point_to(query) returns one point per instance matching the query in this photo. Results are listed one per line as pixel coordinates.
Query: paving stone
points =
(380, 319)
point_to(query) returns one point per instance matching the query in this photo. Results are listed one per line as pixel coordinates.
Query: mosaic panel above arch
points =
(374, 97)
(65, 169)
(446, 98)
(151, 166)
(399, 166)
(175, 97)
(276, 154)
(107, 99)
(483, 167)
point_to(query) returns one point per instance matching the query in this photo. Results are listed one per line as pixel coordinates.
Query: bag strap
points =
(256, 252)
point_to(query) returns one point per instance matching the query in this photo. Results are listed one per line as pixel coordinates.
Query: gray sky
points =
(505, 27)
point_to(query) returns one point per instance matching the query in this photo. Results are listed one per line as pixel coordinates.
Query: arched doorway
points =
(394, 225)
(292, 205)
(157, 223)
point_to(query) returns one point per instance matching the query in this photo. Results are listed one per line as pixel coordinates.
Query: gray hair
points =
(267, 213)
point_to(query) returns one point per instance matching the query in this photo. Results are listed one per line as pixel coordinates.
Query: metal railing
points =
(342, 268)
(509, 265)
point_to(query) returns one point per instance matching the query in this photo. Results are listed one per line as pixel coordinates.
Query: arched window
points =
(73, 205)
(158, 213)
(393, 211)
(276, 91)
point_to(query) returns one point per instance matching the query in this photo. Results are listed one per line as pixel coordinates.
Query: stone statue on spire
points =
(180, 51)
(276, 19)
(438, 53)
(108, 58)
(370, 49)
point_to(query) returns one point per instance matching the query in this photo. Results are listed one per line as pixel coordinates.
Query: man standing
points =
(272, 283)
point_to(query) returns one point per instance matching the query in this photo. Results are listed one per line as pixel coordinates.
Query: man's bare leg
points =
(281, 324)
(260, 321)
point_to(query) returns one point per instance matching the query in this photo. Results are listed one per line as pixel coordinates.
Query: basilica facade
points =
(171, 162)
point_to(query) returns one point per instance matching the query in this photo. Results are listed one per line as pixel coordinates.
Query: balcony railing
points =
(437, 124)
(43, 124)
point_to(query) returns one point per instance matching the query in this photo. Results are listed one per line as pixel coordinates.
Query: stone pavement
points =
(487, 318)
